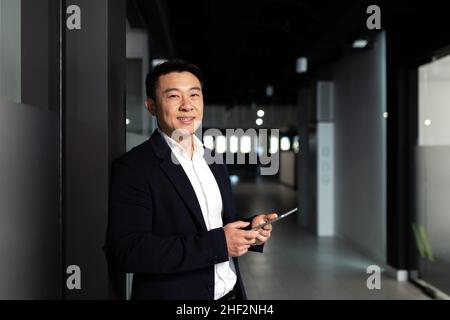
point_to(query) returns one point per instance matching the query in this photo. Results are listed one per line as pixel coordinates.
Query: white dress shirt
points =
(210, 200)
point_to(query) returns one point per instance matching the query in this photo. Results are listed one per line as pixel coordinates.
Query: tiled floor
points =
(298, 265)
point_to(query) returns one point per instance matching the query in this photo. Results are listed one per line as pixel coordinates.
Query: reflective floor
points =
(298, 265)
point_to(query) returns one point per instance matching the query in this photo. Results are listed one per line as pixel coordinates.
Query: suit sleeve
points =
(132, 247)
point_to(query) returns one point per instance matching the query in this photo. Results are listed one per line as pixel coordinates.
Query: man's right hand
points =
(238, 240)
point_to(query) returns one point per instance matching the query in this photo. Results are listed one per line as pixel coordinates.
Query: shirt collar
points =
(175, 146)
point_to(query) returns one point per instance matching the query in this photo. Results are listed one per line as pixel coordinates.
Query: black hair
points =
(151, 83)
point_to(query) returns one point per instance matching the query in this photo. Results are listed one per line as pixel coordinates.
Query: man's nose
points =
(186, 104)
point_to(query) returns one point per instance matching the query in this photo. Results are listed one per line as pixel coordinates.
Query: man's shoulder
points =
(138, 156)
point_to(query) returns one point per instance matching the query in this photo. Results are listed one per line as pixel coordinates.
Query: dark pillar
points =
(94, 119)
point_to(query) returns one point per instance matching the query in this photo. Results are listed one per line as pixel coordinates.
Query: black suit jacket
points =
(156, 228)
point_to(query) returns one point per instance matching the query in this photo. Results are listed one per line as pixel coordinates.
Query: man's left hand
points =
(264, 232)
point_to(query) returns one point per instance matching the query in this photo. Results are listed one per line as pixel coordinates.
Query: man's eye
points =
(173, 96)
(195, 95)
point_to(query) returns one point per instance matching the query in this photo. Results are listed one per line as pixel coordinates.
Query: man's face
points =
(179, 103)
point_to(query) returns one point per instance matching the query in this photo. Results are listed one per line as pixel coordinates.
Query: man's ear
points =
(151, 106)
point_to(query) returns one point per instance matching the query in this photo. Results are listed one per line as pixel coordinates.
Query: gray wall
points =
(30, 162)
(360, 150)
(306, 161)
(54, 197)
(10, 50)
(40, 58)
(30, 246)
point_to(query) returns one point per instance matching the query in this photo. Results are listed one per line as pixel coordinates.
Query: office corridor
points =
(298, 265)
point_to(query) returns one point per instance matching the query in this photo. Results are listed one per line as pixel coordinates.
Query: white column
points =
(325, 160)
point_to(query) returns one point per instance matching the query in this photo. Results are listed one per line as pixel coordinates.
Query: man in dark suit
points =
(172, 219)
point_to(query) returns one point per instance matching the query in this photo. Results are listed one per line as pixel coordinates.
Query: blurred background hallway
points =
(297, 265)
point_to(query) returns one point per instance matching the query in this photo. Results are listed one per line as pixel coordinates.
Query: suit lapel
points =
(178, 177)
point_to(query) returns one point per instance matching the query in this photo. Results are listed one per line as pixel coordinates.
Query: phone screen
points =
(284, 215)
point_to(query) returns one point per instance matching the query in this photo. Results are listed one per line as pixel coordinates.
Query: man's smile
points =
(186, 120)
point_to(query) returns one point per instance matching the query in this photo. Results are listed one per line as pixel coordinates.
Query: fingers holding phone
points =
(238, 240)
(264, 231)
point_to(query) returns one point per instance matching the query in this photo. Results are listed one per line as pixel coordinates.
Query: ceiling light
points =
(273, 145)
(259, 122)
(285, 144)
(260, 113)
(234, 179)
(301, 65)
(246, 144)
(234, 144)
(221, 144)
(360, 43)
(208, 142)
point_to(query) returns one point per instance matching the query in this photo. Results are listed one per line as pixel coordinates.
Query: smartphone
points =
(284, 215)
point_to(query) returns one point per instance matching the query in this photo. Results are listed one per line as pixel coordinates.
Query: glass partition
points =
(431, 229)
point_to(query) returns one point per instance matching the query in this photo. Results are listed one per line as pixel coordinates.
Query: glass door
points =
(432, 226)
